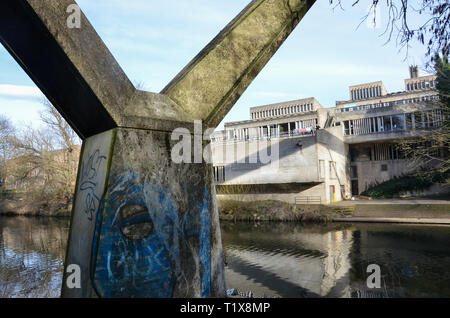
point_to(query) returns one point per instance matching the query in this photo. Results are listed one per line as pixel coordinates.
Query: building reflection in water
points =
(307, 262)
(268, 259)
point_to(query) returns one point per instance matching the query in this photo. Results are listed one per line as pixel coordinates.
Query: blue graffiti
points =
(88, 183)
(205, 246)
(152, 265)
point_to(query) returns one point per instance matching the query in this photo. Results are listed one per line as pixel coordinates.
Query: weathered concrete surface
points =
(72, 67)
(91, 184)
(397, 211)
(210, 85)
(394, 220)
(403, 210)
(170, 212)
(153, 230)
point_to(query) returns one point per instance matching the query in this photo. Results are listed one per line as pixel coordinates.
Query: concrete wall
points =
(289, 197)
(296, 161)
(317, 162)
(331, 148)
(370, 172)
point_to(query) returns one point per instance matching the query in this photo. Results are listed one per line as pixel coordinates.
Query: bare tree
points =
(64, 135)
(431, 152)
(6, 130)
(46, 159)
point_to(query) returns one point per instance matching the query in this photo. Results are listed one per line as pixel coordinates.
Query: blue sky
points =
(154, 40)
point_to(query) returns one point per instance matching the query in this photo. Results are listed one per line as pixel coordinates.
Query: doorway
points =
(332, 193)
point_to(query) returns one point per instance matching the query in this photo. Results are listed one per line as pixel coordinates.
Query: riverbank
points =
(413, 211)
(27, 208)
(278, 211)
(385, 211)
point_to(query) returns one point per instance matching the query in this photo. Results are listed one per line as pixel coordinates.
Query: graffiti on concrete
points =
(89, 182)
(145, 239)
(205, 246)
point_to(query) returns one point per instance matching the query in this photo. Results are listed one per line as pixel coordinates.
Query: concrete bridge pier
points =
(142, 225)
(148, 227)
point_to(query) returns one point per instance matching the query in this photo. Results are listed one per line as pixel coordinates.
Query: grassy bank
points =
(405, 184)
(279, 211)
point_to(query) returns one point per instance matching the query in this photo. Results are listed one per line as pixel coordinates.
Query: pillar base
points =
(143, 226)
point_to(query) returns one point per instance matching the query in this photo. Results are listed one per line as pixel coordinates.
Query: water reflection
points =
(288, 260)
(31, 256)
(269, 259)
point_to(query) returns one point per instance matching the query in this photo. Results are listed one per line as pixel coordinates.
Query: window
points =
(332, 170)
(219, 174)
(321, 169)
(409, 121)
(398, 122)
(354, 172)
(384, 167)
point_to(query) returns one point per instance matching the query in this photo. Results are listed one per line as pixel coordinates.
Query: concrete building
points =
(322, 154)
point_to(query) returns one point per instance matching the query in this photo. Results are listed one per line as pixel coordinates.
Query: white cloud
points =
(20, 92)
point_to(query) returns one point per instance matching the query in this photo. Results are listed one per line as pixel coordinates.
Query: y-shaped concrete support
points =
(142, 225)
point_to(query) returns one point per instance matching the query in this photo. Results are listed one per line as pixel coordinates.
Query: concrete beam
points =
(142, 225)
(91, 91)
(214, 80)
(72, 67)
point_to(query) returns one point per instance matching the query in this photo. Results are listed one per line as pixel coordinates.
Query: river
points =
(268, 259)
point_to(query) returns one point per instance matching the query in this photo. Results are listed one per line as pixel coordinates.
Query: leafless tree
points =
(6, 130)
(45, 160)
(432, 150)
(434, 32)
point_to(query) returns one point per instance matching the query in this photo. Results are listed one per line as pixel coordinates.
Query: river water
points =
(268, 259)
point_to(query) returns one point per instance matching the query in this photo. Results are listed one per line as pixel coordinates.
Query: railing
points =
(266, 138)
(308, 200)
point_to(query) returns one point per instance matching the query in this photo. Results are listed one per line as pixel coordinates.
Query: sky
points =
(154, 39)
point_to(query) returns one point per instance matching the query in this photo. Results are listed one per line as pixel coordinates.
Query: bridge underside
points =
(142, 225)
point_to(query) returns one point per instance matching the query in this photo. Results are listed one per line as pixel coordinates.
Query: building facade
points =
(299, 150)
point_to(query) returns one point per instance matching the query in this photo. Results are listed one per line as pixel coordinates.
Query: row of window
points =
(416, 120)
(392, 152)
(283, 111)
(364, 93)
(387, 104)
(331, 169)
(272, 131)
(421, 85)
(377, 152)
(219, 173)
